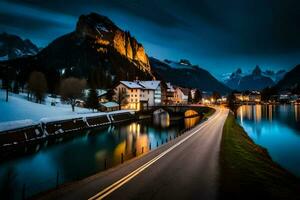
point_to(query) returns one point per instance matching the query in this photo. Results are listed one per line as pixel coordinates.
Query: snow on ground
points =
(4, 126)
(19, 108)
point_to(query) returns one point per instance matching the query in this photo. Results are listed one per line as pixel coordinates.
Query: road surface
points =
(185, 168)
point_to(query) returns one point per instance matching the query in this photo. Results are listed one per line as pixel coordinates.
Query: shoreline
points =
(51, 193)
(27, 133)
(248, 171)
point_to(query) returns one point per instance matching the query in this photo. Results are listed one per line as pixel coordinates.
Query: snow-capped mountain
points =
(12, 46)
(274, 75)
(182, 64)
(257, 80)
(184, 74)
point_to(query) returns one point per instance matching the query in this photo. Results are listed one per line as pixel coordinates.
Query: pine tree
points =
(92, 100)
(197, 96)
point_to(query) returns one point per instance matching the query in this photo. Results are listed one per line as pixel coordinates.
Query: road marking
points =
(108, 190)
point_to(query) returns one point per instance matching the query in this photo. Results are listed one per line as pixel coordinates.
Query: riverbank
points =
(84, 189)
(248, 172)
(14, 134)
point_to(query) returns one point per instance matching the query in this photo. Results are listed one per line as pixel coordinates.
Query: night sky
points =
(219, 37)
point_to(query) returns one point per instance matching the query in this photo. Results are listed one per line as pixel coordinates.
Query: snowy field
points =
(19, 108)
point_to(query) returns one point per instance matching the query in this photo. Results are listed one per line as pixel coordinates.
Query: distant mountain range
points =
(102, 53)
(184, 74)
(274, 75)
(12, 46)
(257, 80)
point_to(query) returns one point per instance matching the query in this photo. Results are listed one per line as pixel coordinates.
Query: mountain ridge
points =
(13, 46)
(291, 80)
(192, 77)
(254, 81)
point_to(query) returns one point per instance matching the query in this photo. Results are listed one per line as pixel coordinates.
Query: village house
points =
(170, 94)
(109, 106)
(140, 94)
(181, 95)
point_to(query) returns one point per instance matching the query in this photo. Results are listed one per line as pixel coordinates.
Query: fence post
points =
(104, 163)
(24, 191)
(134, 152)
(157, 144)
(57, 179)
(142, 150)
(150, 146)
(122, 158)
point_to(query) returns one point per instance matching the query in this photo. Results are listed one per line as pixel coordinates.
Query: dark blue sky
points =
(219, 36)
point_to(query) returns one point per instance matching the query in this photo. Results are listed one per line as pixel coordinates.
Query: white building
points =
(140, 94)
(170, 94)
(181, 95)
(153, 85)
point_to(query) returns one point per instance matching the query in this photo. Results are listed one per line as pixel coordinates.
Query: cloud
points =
(30, 12)
(203, 30)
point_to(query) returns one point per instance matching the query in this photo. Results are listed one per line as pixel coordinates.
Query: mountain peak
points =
(94, 25)
(238, 71)
(256, 71)
(12, 46)
(106, 35)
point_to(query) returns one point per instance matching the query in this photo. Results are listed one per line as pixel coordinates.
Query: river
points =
(277, 128)
(69, 159)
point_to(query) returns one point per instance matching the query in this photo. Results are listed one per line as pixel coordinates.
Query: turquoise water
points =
(277, 128)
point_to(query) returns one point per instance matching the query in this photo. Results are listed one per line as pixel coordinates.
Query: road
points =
(185, 168)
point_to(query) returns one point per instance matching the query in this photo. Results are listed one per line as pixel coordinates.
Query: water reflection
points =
(297, 112)
(161, 119)
(277, 128)
(86, 154)
(190, 113)
(190, 122)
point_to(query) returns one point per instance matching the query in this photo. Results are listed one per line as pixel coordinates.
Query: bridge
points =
(183, 110)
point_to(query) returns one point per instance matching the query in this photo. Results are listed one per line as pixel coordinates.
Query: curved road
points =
(185, 168)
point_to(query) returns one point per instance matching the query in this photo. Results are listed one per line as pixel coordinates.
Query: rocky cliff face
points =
(96, 50)
(108, 35)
